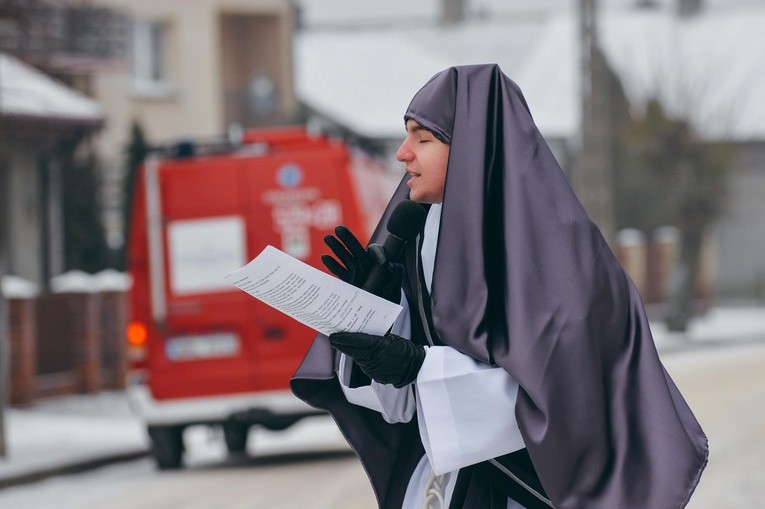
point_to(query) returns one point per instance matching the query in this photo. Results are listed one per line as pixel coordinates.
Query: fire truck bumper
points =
(273, 409)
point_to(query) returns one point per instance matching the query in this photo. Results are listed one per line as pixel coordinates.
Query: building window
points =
(150, 62)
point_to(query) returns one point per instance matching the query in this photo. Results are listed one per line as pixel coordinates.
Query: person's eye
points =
(423, 141)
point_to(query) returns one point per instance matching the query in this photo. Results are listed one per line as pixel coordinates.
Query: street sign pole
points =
(4, 332)
(593, 181)
(5, 349)
(4, 364)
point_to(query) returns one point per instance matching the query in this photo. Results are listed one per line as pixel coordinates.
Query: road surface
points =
(311, 468)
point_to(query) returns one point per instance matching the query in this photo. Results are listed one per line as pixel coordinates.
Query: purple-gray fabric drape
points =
(524, 280)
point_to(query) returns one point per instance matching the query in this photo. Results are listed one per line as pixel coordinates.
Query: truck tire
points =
(166, 446)
(235, 435)
(280, 423)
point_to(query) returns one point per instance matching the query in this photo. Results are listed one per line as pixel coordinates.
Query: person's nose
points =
(404, 153)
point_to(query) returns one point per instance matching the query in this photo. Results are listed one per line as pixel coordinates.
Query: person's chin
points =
(412, 190)
(420, 198)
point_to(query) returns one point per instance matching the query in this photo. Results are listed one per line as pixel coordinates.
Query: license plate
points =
(202, 346)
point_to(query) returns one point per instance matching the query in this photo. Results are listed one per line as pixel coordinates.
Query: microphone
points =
(404, 223)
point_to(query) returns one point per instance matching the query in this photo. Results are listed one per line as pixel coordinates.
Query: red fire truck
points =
(202, 351)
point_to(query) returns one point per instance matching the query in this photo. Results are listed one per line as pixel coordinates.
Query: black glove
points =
(388, 359)
(356, 263)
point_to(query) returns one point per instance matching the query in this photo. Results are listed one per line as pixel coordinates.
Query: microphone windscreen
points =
(406, 220)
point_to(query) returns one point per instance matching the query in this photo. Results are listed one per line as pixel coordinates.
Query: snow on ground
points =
(60, 431)
(720, 325)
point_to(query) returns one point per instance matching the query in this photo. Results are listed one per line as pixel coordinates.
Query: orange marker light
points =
(136, 334)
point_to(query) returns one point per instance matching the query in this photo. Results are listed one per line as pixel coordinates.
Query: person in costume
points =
(522, 371)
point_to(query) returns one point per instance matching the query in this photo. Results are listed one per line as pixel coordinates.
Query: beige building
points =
(194, 67)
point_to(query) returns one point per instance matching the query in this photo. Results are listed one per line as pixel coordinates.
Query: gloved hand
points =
(388, 359)
(356, 263)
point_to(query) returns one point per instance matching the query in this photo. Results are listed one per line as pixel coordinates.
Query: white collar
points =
(430, 243)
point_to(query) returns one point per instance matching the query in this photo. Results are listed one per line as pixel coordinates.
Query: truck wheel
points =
(235, 435)
(166, 446)
(280, 423)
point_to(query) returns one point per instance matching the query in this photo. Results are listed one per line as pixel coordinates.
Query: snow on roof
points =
(364, 79)
(324, 13)
(552, 93)
(27, 92)
(706, 67)
(558, 6)
(350, 12)
(505, 43)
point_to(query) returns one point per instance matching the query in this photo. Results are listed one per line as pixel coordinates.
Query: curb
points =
(70, 468)
(682, 346)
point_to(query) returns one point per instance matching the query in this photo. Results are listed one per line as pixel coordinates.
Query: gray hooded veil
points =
(524, 280)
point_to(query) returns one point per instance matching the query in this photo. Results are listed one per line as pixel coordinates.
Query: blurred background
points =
(653, 108)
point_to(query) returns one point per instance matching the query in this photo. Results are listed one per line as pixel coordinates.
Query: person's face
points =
(426, 158)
